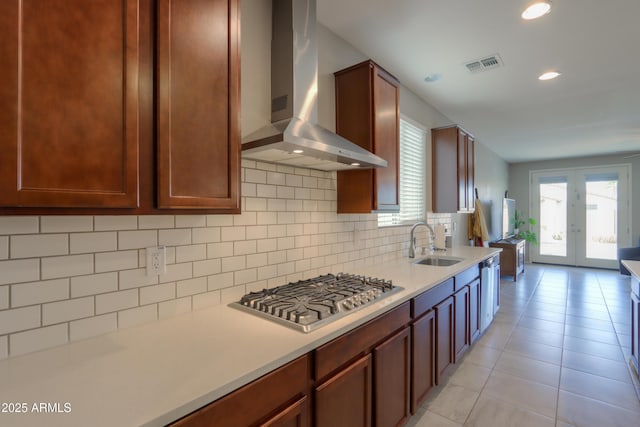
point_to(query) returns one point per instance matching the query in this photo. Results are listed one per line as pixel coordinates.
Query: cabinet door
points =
(635, 329)
(474, 310)
(344, 400)
(471, 196)
(462, 170)
(423, 351)
(444, 336)
(386, 122)
(198, 113)
(292, 416)
(461, 329)
(69, 103)
(391, 361)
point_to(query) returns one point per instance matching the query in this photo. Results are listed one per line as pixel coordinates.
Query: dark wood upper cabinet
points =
(130, 104)
(197, 106)
(453, 170)
(367, 100)
(69, 103)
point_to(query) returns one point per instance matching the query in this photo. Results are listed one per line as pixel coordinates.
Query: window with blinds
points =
(412, 176)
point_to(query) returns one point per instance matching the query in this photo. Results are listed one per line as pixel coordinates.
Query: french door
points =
(583, 215)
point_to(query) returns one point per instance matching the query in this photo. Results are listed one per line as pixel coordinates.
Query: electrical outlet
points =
(156, 260)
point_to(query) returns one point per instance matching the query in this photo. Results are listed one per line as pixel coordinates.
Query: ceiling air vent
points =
(484, 64)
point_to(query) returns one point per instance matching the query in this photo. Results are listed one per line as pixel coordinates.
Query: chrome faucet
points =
(412, 239)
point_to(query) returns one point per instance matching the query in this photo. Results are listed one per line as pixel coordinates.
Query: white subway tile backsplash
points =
(137, 239)
(219, 220)
(177, 272)
(219, 281)
(191, 253)
(135, 278)
(115, 222)
(39, 292)
(206, 235)
(67, 266)
(94, 284)
(4, 347)
(4, 247)
(244, 247)
(116, 301)
(207, 299)
(191, 221)
(256, 204)
(93, 326)
(38, 339)
(157, 293)
(219, 250)
(267, 245)
(114, 261)
(245, 276)
(63, 311)
(174, 307)
(256, 232)
(66, 224)
(191, 286)
(233, 263)
(19, 319)
(232, 294)
(38, 245)
(137, 316)
(207, 267)
(288, 230)
(255, 176)
(18, 225)
(266, 191)
(276, 178)
(156, 221)
(233, 233)
(4, 297)
(176, 237)
(81, 243)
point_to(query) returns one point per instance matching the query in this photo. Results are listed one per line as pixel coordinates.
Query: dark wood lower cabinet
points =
(392, 365)
(461, 329)
(423, 348)
(266, 401)
(474, 310)
(295, 415)
(445, 324)
(344, 400)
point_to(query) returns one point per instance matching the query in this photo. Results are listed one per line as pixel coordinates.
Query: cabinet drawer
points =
(255, 401)
(428, 299)
(466, 277)
(360, 341)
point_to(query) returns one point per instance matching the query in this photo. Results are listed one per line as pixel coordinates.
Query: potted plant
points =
(528, 235)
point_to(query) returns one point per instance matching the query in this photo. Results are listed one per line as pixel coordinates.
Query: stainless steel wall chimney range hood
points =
(294, 137)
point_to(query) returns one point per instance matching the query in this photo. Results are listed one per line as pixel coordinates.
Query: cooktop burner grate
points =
(311, 303)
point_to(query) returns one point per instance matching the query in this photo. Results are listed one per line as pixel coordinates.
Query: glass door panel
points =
(602, 219)
(553, 219)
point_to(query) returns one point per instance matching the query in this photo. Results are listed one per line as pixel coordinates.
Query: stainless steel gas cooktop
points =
(308, 304)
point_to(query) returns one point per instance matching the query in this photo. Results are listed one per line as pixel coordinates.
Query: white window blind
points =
(412, 176)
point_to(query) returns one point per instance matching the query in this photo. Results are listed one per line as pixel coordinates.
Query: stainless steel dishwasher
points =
(489, 288)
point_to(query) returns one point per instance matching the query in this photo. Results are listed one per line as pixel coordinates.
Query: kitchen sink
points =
(438, 261)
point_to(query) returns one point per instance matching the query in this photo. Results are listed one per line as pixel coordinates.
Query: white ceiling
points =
(593, 108)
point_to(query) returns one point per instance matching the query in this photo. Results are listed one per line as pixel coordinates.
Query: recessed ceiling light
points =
(536, 9)
(355, 164)
(298, 151)
(549, 75)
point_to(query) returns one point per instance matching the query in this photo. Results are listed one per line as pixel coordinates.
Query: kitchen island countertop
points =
(633, 267)
(156, 373)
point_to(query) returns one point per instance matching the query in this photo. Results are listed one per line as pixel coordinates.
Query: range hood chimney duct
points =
(294, 137)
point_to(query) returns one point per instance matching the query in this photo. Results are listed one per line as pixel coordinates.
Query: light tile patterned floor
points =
(556, 355)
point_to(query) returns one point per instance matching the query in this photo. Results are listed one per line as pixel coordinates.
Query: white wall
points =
(491, 180)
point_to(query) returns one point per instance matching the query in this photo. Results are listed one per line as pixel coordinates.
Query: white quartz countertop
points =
(633, 267)
(156, 373)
